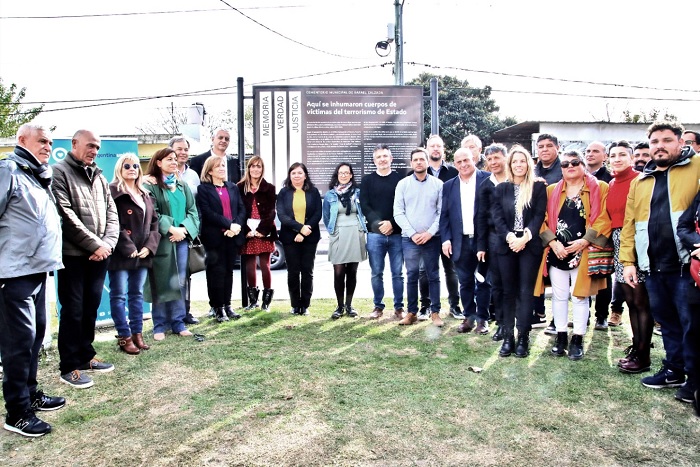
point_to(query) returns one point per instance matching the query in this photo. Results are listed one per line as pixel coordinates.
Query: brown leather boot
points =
(138, 340)
(127, 345)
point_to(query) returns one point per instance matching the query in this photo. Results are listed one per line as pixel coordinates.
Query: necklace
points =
(219, 189)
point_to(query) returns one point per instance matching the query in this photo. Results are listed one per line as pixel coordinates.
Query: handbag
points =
(196, 260)
(600, 260)
(695, 262)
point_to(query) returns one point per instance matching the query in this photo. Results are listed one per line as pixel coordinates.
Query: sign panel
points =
(325, 125)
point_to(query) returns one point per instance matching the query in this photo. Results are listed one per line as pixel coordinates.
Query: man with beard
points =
(438, 168)
(649, 238)
(641, 156)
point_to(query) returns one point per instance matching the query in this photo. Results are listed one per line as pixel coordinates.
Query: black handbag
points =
(196, 260)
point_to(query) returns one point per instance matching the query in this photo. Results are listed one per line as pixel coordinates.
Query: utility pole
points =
(398, 40)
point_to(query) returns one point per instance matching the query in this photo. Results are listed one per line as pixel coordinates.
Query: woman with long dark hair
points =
(638, 358)
(347, 232)
(519, 207)
(133, 255)
(576, 218)
(178, 222)
(223, 214)
(260, 231)
(299, 210)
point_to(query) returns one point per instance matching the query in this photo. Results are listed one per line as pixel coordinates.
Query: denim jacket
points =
(331, 204)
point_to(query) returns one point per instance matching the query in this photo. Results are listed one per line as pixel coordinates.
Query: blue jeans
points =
(378, 245)
(122, 284)
(429, 253)
(171, 314)
(669, 306)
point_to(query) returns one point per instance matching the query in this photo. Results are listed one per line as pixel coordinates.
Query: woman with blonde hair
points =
(519, 206)
(223, 214)
(259, 198)
(576, 218)
(133, 255)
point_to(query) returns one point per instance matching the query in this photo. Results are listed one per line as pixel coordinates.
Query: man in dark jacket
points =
(90, 233)
(219, 145)
(30, 247)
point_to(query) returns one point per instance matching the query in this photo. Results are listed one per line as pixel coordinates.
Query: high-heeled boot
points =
(127, 345)
(508, 344)
(522, 349)
(139, 342)
(253, 294)
(267, 299)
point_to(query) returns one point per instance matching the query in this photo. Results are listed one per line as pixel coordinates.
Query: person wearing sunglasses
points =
(133, 255)
(576, 218)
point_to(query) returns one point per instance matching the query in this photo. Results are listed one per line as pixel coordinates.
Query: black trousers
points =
(22, 328)
(300, 272)
(219, 271)
(518, 274)
(80, 292)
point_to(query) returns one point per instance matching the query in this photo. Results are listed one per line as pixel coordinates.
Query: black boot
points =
(498, 335)
(508, 344)
(266, 299)
(559, 348)
(576, 347)
(350, 311)
(522, 349)
(230, 313)
(220, 314)
(253, 294)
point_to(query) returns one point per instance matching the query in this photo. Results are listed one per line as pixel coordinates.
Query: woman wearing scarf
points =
(641, 321)
(133, 255)
(223, 214)
(178, 222)
(576, 218)
(347, 241)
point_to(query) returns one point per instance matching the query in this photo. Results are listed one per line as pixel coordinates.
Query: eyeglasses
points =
(130, 166)
(691, 141)
(573, 163)
(344, 173)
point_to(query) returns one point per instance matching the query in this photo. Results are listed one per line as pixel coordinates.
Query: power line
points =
(141, 13)
(286, 37)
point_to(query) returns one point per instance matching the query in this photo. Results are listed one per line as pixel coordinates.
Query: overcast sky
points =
(647, 52)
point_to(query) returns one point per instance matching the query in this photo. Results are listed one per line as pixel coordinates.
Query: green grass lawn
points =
(277, 389)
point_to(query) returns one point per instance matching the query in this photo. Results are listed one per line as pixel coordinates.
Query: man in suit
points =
(460, 205)
(219, 145)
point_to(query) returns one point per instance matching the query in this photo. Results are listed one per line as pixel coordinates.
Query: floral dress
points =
(571, 225)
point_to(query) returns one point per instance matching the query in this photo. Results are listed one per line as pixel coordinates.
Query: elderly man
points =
(30, 247)
(473, 143)
(458, 222)
(90, 233)
(219, 145)
(649, 239)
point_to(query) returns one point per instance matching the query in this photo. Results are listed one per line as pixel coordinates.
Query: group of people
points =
(501, 235)
(68, 218)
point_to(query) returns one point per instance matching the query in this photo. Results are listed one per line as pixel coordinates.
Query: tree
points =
(11, 114)
(648, 117)
(463, 110)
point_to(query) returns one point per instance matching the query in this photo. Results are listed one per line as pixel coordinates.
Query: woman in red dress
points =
(259, 198)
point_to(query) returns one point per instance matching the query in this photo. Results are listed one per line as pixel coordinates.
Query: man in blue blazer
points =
(460, 205)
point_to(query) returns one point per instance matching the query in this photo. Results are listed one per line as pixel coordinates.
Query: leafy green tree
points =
(463, 110)
(648, 117)
(11, 114)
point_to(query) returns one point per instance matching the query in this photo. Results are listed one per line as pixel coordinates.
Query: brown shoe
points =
(435, 316)
(615, 319)
(466, 326)
(636, 364)
(139, 342)
(409, 319)
(376, 313)
(398, 313)
(127, 345)
(482, 327)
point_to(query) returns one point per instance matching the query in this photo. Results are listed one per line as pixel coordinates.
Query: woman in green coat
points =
(178, 222)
